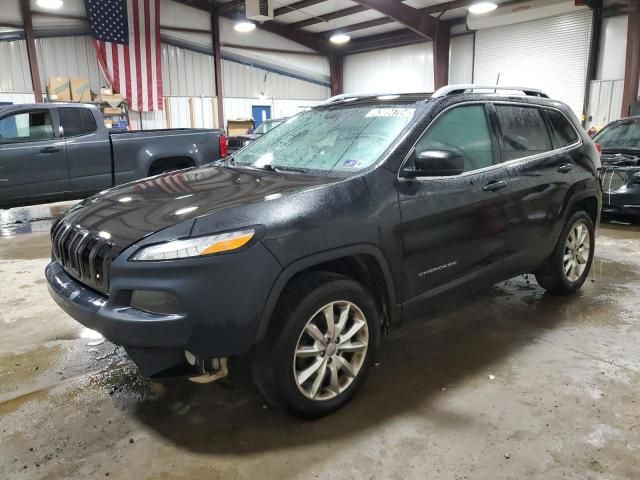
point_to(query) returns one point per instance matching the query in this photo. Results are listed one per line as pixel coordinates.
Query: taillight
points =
(223, 147)
(599, 148)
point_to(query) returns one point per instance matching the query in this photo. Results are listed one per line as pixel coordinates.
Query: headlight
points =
(195, 247)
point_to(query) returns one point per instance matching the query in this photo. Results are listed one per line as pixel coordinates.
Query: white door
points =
(550, 54)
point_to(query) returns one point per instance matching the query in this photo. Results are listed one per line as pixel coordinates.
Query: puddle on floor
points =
(31, 219)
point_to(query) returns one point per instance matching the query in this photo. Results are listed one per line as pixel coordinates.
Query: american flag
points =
(127, 39)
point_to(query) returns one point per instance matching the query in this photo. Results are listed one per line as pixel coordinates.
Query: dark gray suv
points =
(350, 217)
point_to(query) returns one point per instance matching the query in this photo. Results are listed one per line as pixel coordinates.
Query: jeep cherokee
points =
(346, 219)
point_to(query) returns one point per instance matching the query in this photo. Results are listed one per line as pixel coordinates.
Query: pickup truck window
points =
(524, 132)
(474, 145)
(344, 139)
(77, 121)
(26, 127)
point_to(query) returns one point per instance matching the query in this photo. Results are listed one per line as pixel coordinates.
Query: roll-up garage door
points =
(551, 54)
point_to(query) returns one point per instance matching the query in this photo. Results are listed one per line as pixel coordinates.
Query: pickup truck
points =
(56, 151)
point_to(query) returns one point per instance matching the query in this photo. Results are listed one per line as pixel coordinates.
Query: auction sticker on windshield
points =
(391, 112)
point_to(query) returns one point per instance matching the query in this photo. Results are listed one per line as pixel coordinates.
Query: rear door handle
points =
(495, 186)
(565, 167)
(50, 150)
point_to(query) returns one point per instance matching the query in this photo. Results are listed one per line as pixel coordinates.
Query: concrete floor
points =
(509, 384)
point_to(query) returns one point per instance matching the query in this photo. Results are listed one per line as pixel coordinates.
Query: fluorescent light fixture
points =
(49, 4)
(245, 26)
(339, 38)
(482, 7)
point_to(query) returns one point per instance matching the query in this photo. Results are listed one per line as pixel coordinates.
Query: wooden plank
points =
(632, 60)
(217, 57)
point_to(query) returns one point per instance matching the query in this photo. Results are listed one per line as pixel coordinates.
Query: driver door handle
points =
(50, 150)
(565, 167)
(495, 186)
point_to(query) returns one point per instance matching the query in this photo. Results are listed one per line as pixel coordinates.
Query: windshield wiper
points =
(278, 168)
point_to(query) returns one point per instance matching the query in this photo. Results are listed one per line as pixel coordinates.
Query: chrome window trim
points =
(501, 164)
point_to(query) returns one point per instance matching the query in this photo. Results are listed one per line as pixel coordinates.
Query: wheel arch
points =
(182, 161)
(356, 262)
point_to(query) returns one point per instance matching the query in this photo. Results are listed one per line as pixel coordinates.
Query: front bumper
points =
(221, 300)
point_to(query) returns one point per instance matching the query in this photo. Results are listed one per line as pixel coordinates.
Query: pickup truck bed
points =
(62, 151)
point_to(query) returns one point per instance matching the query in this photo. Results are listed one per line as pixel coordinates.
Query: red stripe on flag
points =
(147, 45)
(158, 56)
(127, 69)
(116, 68)
(136, 35)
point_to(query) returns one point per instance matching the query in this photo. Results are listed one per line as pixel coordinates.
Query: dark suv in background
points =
(346, 218)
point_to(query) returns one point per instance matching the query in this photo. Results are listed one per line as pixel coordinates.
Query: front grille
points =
(613, 179)
(82, 254)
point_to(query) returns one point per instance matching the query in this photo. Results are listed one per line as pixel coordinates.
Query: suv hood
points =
(133, 211)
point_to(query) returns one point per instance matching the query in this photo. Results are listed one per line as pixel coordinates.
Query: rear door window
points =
(562, 133)
(464, 130)
(77, 121)
(523, 131)
(26, 127)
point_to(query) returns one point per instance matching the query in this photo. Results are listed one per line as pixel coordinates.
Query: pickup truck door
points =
(88, 149)
(33, 163)
(454, 228)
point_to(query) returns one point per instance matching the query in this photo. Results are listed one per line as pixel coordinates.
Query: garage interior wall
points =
(550, 53)
(401, 69)
(605, 92)
(188, 69)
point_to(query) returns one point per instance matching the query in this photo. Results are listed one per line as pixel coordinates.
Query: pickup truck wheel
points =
(568, 267)
(326, 331)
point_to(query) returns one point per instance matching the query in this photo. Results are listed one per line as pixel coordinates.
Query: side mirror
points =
(437, 163)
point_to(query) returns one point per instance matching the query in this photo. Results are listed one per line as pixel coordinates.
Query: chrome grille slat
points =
(83, 255)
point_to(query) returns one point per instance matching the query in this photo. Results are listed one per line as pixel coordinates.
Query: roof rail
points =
(354, 96)
(469, 88)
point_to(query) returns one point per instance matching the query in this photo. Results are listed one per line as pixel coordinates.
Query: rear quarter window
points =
(562, 132)
(77, 121)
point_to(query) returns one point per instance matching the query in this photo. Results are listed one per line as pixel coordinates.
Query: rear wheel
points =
(325, 334)
(568, 267)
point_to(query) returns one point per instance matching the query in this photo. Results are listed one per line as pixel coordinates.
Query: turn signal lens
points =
(195, 247)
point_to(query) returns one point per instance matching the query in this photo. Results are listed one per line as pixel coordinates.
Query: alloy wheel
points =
(331, 350)
(576, 252)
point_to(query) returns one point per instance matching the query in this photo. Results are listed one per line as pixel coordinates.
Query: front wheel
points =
(322, 342)
(568, 267)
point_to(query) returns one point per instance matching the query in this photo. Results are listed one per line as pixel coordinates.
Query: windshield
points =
(265, 126)
(621, 135)
(343, 139)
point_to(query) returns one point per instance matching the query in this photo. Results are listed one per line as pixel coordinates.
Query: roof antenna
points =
(497, 82)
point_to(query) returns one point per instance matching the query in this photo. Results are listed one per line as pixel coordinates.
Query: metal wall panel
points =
(72, 57)
(461, 59)
(14, 73)
(244, 81)
(187, 73)
(401, 69)
(605, 102)
(551, 54)
(613, 48)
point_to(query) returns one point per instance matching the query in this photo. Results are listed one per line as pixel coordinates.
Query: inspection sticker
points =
(390, 112)
(352, 163)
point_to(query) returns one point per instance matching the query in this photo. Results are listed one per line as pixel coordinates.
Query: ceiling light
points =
(245, 26)
(482, 7)
(50, 4)
(339, 38)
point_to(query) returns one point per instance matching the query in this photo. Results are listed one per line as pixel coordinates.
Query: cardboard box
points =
(58, 88)
(108, 123)
(80, 90)
(108, 111)
(113, 100)
(106, 91)
(239, 127)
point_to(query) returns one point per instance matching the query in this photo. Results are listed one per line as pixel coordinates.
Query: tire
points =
(341, 365)
(553, 275)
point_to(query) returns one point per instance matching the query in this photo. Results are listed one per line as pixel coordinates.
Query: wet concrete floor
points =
(511, 383)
